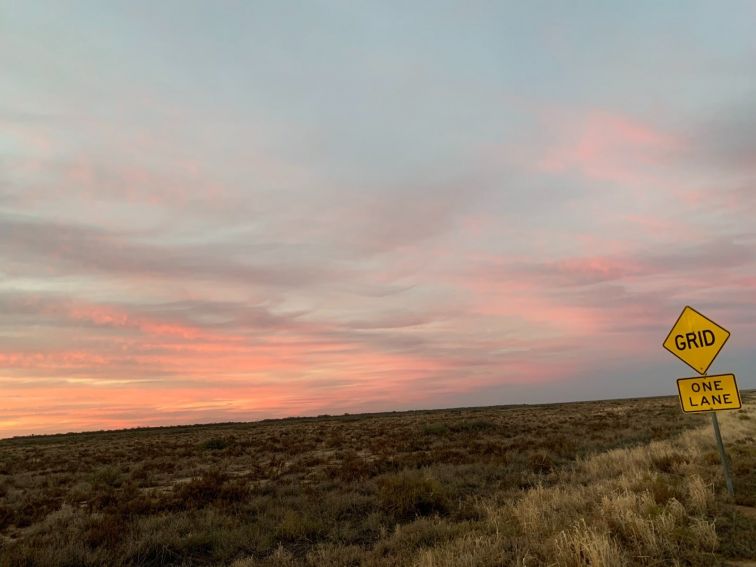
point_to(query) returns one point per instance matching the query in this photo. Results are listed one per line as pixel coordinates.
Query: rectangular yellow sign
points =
(708, 393)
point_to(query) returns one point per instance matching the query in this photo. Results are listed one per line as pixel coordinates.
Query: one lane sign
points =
(708, 393)
(696, 339)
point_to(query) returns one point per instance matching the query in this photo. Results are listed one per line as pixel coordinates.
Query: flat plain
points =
(619, 482)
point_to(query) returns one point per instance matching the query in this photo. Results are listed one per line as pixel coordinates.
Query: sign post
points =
(722, 454)
(697, 340)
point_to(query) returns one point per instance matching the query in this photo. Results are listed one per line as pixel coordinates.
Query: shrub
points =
(107, 476)
(474, 425)
(435, 429)
(353, 467)
(668, 462)
(104, 530)
(217, 443)
(541, 462)
(408, 494)
(6, 516)
(297, 525)
(212, 487)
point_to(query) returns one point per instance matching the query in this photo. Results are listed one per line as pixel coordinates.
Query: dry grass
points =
(654, 504)
(627, 482)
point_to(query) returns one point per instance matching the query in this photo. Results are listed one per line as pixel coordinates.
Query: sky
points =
(228, 211)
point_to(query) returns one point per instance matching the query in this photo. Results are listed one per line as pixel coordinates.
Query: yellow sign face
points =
(696, 340)
(708, 393)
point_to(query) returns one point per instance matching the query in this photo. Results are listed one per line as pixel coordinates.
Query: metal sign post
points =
(722, 454)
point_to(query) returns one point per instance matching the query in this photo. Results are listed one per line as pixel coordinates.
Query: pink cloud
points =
(598, 268)
(608, 147)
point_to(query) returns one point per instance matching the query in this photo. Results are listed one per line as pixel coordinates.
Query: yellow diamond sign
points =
(696, 340)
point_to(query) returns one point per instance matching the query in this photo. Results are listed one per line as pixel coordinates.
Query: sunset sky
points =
(226, 211)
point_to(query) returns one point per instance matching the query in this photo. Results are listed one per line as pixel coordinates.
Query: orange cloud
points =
(240, 388)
